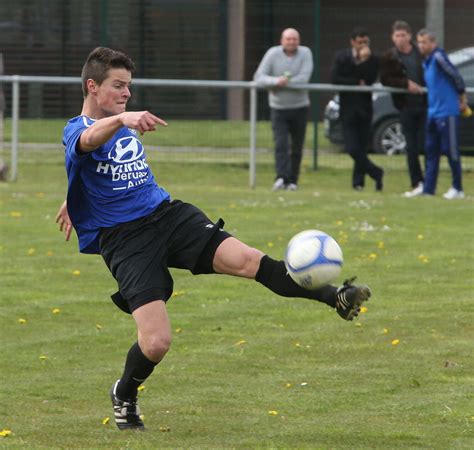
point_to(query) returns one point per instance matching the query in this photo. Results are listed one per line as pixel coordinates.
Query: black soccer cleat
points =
(349, 299)
(126, 412)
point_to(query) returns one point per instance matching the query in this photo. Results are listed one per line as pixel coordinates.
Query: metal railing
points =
(251, 86)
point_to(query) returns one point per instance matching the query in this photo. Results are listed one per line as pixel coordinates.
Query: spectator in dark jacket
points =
(402, 66)
(357, 66)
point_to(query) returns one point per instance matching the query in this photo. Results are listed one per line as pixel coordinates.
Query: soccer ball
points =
(313, 259)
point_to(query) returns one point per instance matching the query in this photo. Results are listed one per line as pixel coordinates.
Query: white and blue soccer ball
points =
(313, 259)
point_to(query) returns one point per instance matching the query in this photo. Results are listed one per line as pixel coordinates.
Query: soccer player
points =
(119, 211)
(446, 99)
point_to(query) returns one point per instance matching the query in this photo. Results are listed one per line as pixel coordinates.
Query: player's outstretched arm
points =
(103, 129)
(62, 218)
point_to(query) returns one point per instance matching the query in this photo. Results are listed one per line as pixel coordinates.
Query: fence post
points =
(15, 124)
(253, 138)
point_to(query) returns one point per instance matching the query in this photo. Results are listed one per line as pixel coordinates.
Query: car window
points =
(467, 72)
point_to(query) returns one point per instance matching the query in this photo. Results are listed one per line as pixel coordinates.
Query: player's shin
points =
(137, 369)
(273, 275)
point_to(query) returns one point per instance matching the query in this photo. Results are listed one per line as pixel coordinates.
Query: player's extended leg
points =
(154, 340)
(233, 257)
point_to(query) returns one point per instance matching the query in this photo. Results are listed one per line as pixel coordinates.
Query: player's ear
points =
(91, 86)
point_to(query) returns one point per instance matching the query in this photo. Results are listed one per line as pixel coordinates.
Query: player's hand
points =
(414, 88)
(282, 81)
(62, 218)
(364, 53)
(462, 102)
(141, 121)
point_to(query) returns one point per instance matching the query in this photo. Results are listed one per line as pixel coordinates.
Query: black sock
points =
(272, 274)
(137, 369)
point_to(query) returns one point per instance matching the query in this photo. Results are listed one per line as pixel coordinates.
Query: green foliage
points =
(302, 378)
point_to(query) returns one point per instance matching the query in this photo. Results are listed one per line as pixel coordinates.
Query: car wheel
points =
(388, 137)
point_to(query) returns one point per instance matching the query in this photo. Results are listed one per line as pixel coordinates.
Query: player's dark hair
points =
(400, 25)
(359, 32)
(98, 63)
(426, 32)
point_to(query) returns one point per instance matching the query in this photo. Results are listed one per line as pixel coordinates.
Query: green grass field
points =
(246, 369)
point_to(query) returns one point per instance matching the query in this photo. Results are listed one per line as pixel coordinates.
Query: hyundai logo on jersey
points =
(127, 149)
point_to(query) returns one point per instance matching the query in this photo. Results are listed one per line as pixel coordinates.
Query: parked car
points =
(386, 132)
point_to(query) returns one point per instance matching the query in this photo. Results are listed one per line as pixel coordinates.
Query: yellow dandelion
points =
(420, 237)
(272, 413)
(31, 251)
(56, 311)
(49, 253)
(288, 385)
(76, 272)
(178, 330)
(177, 293)
(142, 416)
(21, 321)
(239, 343)
(373, 256)
(98, 326)
(15, 214)
(297, 344)
(270, 244)
(358, 324)
(396, 342)
(105, 420)
(141, 388)
(339, 222)
(5, 433)
(364, 309)
(43, 357)
(381, 245)
(39, 195)
(165, 429)
(385, 331)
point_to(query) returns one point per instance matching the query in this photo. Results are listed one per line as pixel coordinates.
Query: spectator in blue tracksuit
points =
(446, 98)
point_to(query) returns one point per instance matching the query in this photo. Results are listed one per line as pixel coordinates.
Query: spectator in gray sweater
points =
(285, 65)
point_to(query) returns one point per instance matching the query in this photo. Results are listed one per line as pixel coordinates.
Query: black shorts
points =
(139, 253)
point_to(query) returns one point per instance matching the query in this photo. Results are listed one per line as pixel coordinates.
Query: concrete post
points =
(435, 19)
(235, 57)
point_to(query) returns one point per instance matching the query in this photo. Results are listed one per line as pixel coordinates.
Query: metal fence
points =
(251, 87)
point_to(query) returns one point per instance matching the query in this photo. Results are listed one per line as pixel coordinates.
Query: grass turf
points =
(246, 369)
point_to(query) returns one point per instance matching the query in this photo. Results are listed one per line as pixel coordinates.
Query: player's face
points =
(401, 39)
(113, 94)
(425, 44)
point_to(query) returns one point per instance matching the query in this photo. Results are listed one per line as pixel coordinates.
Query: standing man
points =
(357, 66)
(120, 212)
(446, 98)
(285, 65)
(402, 66)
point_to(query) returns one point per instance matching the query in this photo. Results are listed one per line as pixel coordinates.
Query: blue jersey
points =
(106, 187)
(444, 84)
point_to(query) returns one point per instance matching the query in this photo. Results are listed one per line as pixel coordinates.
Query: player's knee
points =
(155, 347)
